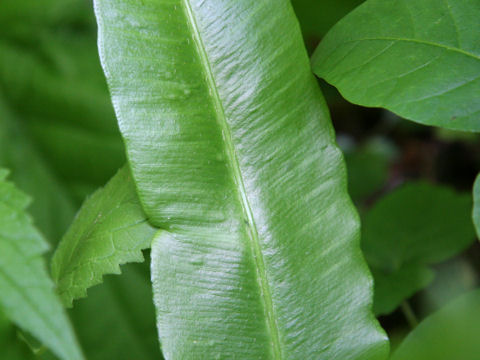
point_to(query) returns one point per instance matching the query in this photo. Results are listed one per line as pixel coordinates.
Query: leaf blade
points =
(109, 230)
(418, 60)
(26, 291)
(210, 152)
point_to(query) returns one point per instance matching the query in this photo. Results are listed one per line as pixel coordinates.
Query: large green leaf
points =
(233, 153)
(117, 319)
(476, 205)
(26, 292)
(109, 230)
(451, 333)
(419, 59)
(414, 226)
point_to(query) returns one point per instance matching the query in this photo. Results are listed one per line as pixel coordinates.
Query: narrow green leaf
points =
(117, 319)
(476, 205)
(233, 152)
(451, 333)
(419, 59)
(26, 292)
(414, 226)
(109, 230)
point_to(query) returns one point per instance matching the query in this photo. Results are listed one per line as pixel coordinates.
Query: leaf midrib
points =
(252, 231)
(419, 41)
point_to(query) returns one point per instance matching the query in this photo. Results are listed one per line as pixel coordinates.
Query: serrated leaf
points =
(419, 59)
(117, 319)
(476, 205)
(233, 152)
(416, 225)
(26, 292)
(109, 230)
(451, 333)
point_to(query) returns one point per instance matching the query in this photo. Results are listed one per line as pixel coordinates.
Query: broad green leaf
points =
(476, 205)
(109, 230)
(416, 225)
(117, 319)
(419, 59)
(233, 153)
(52, 208)
(26, 292)
(451, 333)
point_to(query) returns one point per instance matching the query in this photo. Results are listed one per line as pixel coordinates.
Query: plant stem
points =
(409, 314)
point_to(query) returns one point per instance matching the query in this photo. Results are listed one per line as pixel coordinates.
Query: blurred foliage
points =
(451, 333)
(416, 225)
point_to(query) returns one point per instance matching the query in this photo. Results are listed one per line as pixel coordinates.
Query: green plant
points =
(234, 187)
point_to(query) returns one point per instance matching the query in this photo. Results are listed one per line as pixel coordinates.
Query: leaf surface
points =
(419, 59)
(450, 333)
(26, 292)
(109, 230)
(416, 225)
(233, 152)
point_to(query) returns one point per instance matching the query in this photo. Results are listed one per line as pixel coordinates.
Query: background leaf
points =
(415, 226)
(109, 230)
(419, 59)
(368, 167)
(26, 291)
(233, 152)
(451, 333)
(53, 207)
(69, 119)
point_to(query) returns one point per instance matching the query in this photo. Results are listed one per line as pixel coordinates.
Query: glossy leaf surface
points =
(26, 292)
(450, 333)
(109, 230)
(416, 225)
(233, 153)
(419, 59)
